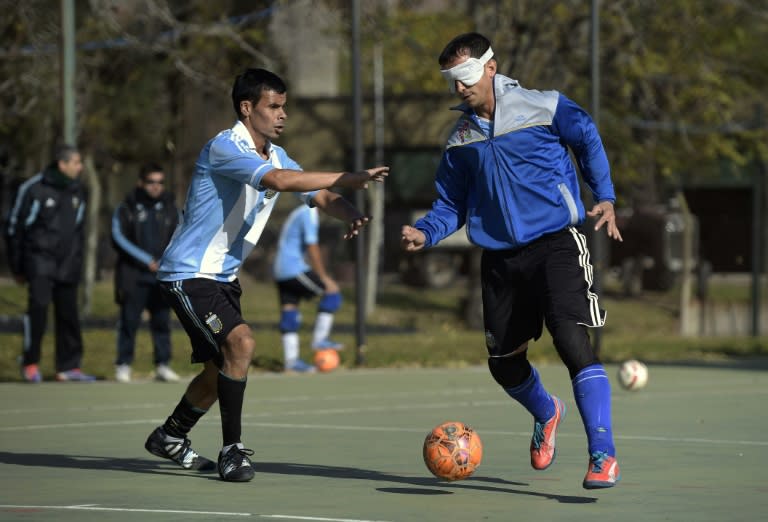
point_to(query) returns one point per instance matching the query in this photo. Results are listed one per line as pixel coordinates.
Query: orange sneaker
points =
(31, 373)
(543, 440)
(602, 472)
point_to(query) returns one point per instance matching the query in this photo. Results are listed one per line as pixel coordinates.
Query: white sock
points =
(290, 347)
(323, 325)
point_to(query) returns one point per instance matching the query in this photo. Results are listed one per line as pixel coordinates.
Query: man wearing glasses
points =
(142, 226)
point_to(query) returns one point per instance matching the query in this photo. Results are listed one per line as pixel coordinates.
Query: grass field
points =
(410, 327)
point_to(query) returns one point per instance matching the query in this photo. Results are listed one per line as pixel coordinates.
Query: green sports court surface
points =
(346, 446)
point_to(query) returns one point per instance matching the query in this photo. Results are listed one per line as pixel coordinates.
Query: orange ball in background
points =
(327, 360)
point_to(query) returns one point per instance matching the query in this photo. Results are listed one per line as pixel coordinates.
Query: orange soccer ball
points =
(452, 451)
(327, 360)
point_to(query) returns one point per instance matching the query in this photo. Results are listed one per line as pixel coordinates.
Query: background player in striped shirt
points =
(300, 273)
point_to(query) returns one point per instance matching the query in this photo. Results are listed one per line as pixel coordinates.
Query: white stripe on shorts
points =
(178, 291)
(594, 307)
(309, 284)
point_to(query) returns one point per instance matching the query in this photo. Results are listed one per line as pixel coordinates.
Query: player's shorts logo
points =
(214, 323)
(269, 194)
(490, 340)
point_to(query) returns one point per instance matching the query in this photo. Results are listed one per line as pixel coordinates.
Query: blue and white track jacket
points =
(519, 183)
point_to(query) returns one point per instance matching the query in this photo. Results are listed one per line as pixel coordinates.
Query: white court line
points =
(368, 409)
(526, 434)
(338, 427)
(93, 507)
(293, 413)
(462, 392)
(297, 517)
(618, 395)
(81, 424)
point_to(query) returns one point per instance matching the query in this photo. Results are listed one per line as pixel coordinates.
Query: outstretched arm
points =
(288, 180)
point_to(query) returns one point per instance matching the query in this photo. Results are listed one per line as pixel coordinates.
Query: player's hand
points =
(412, 239)
(359, 180)
(355, 225)
(331, 286)
(604, 209)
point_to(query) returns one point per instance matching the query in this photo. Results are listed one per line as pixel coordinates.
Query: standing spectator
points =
(507, 175)
(142, 226)
(238, 177)
(46, 239)
(297, 280)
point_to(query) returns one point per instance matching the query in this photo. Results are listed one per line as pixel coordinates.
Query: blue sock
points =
(592, 391)
(532, 395)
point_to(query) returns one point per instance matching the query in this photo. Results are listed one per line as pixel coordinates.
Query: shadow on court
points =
(422, 485)
(132, 465)
(472, 483)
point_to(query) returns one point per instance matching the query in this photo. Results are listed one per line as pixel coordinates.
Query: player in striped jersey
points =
(238, 177)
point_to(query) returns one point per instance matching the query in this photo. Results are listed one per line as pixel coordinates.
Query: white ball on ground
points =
(633, 375)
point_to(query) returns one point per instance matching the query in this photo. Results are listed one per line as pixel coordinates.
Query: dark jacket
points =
(141, 229)
(46, 227)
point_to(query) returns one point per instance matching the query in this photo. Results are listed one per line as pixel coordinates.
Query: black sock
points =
(183, 418)
(231, 393)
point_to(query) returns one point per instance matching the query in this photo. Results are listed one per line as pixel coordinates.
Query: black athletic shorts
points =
(208, 310)
(548, 280)
(303, 286)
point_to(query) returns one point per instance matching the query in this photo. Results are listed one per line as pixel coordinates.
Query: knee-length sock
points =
(231, 393)
(532, 395)
(592, 391)
(183, 419)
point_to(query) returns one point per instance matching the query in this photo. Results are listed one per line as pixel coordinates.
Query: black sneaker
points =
(235, 466)
(178, 450)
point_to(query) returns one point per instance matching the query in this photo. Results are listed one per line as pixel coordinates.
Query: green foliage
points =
(681, 82)
(678, 100)
(411, 42)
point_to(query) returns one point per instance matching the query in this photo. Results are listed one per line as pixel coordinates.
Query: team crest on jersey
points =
(75, 202)
(269, 194)
(214, 323)
(463, 131)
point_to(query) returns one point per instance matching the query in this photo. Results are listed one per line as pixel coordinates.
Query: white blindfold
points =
(468, 72)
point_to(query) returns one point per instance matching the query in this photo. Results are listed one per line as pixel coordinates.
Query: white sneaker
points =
(123, 373)
(164, 373)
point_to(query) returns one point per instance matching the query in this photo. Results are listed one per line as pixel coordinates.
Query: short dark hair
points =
(64, 152)
(148, 168)
(473, 43)
(251, 83)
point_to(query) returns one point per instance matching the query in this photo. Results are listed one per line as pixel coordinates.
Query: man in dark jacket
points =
(142, 226)
(45, 247)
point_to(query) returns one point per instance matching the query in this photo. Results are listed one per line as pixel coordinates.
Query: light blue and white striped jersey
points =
(226, 208)
(299, 230)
